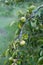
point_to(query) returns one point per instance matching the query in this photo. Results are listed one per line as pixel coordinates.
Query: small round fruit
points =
(32, 7)
(23, 19)
(22, 42)
(10, 59)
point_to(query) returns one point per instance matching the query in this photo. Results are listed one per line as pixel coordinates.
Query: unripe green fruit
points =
(23, 19)
(10, 59)
(22, 42)
(32, 7)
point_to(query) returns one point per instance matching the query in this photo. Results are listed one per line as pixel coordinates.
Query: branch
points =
(31, 16)
(38, 8)
(35, 11)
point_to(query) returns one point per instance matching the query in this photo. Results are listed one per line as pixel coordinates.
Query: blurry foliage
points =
(7, 6)
(11, 2)
(27, 47)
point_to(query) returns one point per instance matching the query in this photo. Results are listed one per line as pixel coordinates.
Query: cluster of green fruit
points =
(28, 50)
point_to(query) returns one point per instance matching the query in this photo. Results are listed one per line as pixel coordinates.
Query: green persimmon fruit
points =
(22, 43)
(32, 7)
(23, 19)
(10, 59)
